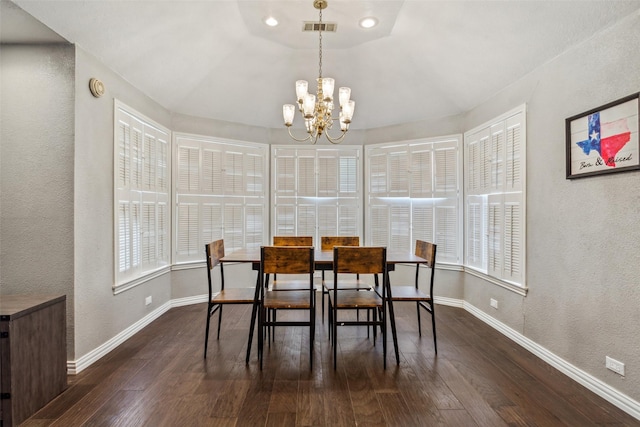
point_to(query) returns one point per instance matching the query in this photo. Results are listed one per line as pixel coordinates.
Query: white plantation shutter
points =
(495, 214)
(328, 173)
(220, 193)
(233, 173)
(447, 230)
(377, 160)
(422, 221)
(494, 235)
(254, 225)
(400, 226)
(512, 239)
(188, 222)
(188, 169)
(485, 160)
(475, 231)
(414, 193)
(306, 219)
(285, 218)
(306, 173)
(497, 156)
(349, 216)
(379, 225)
(316, 191)
(211, 225)
(141, 195)
(513, 156)
(327, 220)
(398, 172)
(421, 177)
(212, 171)
(233, 226)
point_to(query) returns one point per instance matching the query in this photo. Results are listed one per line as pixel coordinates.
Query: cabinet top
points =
(15, 306)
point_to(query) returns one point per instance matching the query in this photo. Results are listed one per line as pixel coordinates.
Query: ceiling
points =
(217, 59)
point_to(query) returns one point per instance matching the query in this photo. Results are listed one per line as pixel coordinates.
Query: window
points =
(220, 192)
(414, 193)
(494, 197)
(316, 191)
(142, 214)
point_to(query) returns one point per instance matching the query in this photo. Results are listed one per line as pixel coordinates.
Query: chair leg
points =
(433, 321)
(384, 336)
(261, 335)
(322, 295)
(312, 332)
(419, 324)
(392, 318)
(335, 341)
(219, 320)
(251, 329)
(206, 335)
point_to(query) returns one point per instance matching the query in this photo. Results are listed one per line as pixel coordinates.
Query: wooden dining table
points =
(324, 261)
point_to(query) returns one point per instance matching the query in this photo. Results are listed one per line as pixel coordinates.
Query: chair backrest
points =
(427, 251)
(214, 251)
(359, 259)
(292, 241)
(327, 243)
(286, 259)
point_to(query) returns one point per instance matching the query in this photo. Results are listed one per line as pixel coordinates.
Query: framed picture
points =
(605, 139)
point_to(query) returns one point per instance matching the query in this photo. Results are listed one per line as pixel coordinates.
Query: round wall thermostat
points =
(96, 87)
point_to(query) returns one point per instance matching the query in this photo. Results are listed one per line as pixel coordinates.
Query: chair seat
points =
(347, 284)
(291, 285)
(352, 298)
(407, 293)
(234, 296)
(289, 299)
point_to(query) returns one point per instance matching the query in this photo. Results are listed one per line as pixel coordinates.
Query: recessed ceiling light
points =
(271, 21)
(368, 22)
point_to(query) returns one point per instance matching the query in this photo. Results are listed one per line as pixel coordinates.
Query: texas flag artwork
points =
(605, 140)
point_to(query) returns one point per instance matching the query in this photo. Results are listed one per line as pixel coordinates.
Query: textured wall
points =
(582, 235)
(102, 315)
(36, 170)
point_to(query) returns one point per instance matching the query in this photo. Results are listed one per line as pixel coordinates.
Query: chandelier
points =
(317, 109)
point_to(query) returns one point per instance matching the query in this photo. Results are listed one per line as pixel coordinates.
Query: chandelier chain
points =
(320, 38)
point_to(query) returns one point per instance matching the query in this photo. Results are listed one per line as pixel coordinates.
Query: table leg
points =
(254, 312)
(392, 318)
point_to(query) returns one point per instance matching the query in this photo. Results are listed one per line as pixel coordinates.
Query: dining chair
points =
(284, 261)
(363, 261)
(413, 293)
(292, 241)
(214, 252)
(327, 243)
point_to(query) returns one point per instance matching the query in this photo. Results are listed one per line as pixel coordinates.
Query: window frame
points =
(308, 198)
(230, 193)
(495, 186)
(151, 190)
(388, 185)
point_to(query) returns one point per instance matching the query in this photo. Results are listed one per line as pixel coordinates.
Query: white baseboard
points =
(76, 366)
(189, 300)
(610, 394)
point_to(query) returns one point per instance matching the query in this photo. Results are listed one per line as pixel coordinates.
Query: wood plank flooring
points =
(479, 378)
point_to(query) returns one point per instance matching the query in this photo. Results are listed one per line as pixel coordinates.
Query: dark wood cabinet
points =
(33, 356)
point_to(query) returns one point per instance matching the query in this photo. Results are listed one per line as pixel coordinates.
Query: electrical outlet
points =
(494, 303)
(614, 365)
(148, 300)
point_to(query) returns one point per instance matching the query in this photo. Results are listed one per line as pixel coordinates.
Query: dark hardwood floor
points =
(479, 378)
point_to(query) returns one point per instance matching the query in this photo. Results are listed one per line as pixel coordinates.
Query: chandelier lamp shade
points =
(317, 110)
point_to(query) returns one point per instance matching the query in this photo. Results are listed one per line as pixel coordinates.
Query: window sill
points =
(520, 290)
(122, 287)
